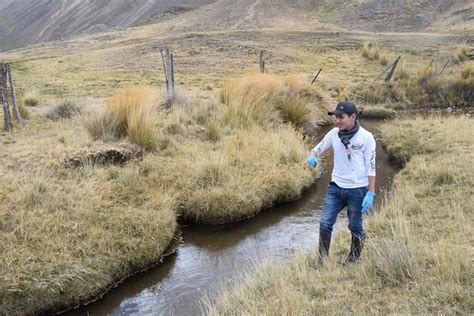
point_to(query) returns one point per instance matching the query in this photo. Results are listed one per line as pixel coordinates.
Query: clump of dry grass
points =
(264, 99)
(401, 73)
(370, 51)
(31, 97)
(414, 256)
(141, 127)
(377, 93)
(428, 87)
(383, 60)
(468, 70)
(212, 131)
(129, 113)
(461, 89)
(460, 53)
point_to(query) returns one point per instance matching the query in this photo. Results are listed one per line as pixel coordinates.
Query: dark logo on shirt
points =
(357, 146)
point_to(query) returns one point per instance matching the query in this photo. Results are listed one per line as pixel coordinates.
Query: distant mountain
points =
(25, 22)
(28, 22)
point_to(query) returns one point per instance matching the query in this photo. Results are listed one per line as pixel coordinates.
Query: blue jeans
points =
(336, 199)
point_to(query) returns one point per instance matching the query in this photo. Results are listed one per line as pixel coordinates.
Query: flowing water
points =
(212, 255)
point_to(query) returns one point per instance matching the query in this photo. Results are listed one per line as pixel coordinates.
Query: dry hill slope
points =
(32, 21)
(29, 22)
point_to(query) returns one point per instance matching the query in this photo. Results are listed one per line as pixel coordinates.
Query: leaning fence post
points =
(390, 74)
(316, 77)
(262, 62)
(6, 110)
(12, 89)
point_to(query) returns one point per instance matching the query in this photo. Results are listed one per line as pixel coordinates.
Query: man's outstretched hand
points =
(312, 161)
(368, 201)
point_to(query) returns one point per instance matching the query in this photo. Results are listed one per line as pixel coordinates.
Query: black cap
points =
(344, 107)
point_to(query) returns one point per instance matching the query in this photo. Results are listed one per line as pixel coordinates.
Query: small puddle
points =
(212, 255)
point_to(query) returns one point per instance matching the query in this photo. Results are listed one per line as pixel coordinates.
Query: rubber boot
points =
(357, 244)
(324, 243)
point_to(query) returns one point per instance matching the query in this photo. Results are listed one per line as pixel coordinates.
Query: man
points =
(353, 178)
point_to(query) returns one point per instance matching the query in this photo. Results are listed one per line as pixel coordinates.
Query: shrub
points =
(64, 110)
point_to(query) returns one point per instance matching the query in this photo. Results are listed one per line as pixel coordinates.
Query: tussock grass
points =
(270, 100)
(367, 50)
(383, 60)
(427, 87)
(460, 89)
(372, 52)
(401, 73)
(415, 255)
(141, 127)
(102, 124)
(126, 114)
(460, 53)
(31, 97)
(378, 93)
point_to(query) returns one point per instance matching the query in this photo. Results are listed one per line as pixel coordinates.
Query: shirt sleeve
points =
(324, 144)
(369, 156)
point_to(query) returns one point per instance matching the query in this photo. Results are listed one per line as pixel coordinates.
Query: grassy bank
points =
(417, 255)
(223, 162)
(66, 235)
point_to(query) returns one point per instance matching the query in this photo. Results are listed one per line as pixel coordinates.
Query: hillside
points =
(31, 22)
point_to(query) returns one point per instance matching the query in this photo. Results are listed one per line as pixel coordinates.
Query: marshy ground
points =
(228, 149)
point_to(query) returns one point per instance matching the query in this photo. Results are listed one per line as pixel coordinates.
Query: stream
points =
(213, 255)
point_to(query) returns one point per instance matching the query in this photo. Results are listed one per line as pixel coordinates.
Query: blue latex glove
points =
(368, 201)
(312, 161)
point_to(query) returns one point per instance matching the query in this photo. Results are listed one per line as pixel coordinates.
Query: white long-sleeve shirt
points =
(354, 173)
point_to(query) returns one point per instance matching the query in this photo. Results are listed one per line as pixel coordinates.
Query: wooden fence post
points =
(262, 62)
(316, 77)
(390, 74)
(13, 93)
(6, 110)
(168, 66)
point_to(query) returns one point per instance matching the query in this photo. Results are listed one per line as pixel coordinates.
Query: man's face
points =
(344, 121)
